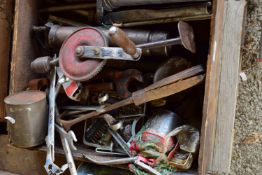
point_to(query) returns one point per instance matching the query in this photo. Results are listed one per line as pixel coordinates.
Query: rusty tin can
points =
(26, 113)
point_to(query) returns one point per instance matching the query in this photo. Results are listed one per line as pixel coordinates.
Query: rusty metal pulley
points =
(72, 65)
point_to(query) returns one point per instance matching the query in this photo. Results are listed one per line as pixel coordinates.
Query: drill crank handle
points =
(160, 89)
(119, 37)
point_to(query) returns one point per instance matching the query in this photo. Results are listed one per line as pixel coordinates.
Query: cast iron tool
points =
(163, 88)
(84, 53)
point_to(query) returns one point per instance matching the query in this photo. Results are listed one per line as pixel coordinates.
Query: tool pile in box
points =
(110, 71)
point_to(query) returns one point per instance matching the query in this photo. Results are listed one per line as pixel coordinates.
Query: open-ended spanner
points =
(68, 139)
(50, 167)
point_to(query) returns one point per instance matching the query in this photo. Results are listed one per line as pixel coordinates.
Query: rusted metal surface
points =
(38, 84)
(138, 17)
(123, 80)
(24, 47)
(27, 118)
(172, 66)
(58, 34)
(43, 64)
(163, 88)
(6, 21)
(114, 4)
(69, 7)
(71, 65)
(186, 38)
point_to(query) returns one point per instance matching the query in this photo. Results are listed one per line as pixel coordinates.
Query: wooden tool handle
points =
(163, 88)
(119, 37)
(141, 96)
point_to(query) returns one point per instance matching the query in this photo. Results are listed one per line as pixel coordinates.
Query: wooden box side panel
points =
(6, 20)
(221, 88)
(23, 44)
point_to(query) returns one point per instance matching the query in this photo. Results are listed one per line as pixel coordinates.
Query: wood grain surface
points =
(221, 87)
(6, 9)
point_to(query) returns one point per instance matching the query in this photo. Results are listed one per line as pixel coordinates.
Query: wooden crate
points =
(221, 76)
(6, 20)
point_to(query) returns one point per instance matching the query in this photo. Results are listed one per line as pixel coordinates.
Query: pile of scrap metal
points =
(104, 75)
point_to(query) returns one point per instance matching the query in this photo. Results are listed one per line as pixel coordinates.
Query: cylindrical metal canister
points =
(27, 118)
(58, 34)
(159, 125)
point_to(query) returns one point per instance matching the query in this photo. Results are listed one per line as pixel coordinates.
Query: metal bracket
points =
(105, 53)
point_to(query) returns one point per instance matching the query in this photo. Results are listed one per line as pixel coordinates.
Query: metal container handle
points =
(10, 119)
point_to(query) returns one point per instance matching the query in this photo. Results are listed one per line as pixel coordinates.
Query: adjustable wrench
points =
(68, 139)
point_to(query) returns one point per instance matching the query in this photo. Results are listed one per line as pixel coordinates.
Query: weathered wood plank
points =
(211, 88)
(221, 88)
(23, 161)
(24, 46)
(228, 87)
(6, 20)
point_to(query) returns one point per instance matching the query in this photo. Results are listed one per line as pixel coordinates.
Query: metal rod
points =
(69, 7)
(168, 42)
(81, 108)
(111, 162)
(65, 21)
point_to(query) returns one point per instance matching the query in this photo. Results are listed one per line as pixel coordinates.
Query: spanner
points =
(50, 167)
(68, 139)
